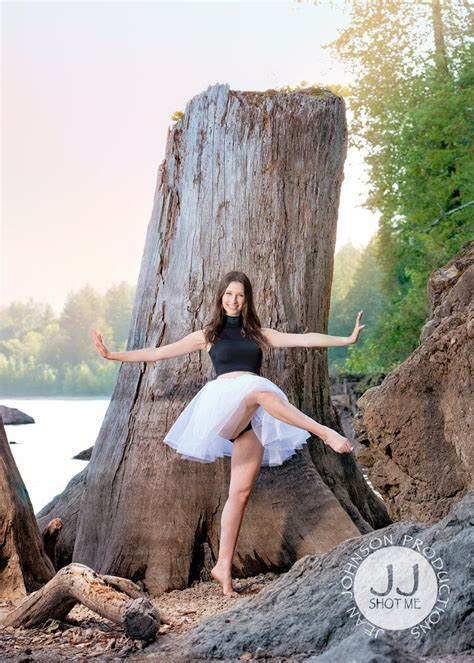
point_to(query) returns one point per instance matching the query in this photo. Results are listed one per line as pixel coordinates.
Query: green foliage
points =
(19, 318)
(82, 311)
(412, 114)
(44, 355)
(118, 311)
(316, 89)
(345, 264)
(356, 286)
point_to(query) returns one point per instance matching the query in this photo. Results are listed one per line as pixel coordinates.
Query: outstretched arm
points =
(189, 343)
(312, 339)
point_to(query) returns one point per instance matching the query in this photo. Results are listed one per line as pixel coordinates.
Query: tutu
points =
(201, 432)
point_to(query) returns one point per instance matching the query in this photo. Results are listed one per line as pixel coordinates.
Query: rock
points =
(417, 426)
(346, 388)
(307, 615)
(359, 648)
(84, 455)
(13, 417)
(440, 284)
(344, 400)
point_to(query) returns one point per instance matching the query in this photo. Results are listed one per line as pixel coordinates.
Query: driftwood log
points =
(31, 592)
(77, 583)
(250, 181)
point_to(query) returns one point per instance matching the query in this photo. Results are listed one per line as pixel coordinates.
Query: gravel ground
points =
(84, 635)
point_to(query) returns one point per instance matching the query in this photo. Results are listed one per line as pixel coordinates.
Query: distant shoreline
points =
(54, 398)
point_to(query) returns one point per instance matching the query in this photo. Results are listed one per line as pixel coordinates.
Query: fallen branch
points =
(123, 585)
(77, 583)
(445, 214)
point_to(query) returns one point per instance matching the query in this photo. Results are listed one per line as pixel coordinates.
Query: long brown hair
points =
(251, 325)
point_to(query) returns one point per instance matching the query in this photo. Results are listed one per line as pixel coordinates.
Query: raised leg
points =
(245, 419)
(283, 410)
(246, 459)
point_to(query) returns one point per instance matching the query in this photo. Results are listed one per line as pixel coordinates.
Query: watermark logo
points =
(396, 586)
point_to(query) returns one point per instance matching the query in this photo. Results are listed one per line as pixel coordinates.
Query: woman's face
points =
(233, 298)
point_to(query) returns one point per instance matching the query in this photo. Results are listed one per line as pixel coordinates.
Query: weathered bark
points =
(417, 425)
(438, 29)
(31, 593)
(124, 585)
(50, 538)
(76, 583)
(64, 506)
(24, 564)
(250, 181)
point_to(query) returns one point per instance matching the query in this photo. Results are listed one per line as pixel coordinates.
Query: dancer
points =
(239, 413)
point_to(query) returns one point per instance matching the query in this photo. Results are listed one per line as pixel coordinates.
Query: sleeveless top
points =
(233, 352)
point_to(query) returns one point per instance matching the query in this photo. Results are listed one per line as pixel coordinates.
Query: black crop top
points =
(233, 352)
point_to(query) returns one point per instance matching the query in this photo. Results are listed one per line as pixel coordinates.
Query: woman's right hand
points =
(104, 351)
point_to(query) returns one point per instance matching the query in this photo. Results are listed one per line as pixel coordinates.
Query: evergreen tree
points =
(412, 114)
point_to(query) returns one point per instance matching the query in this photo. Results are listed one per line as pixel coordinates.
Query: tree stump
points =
(251, 181)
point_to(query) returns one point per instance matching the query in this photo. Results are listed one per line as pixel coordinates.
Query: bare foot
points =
(224, 580)
(337, 442)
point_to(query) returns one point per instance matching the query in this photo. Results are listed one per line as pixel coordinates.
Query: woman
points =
(240, 413)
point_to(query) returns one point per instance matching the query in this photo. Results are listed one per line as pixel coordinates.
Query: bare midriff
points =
(234, 374)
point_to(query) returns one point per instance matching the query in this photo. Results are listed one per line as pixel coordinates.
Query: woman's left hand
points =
(353, 338)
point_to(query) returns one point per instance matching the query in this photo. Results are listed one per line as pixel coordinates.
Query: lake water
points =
(44, 450)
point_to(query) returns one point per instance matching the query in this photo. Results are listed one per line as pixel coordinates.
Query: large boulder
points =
(310, 614)
(12, 416)
(417, 426)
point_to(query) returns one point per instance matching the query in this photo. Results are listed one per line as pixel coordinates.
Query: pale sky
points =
(88, 91)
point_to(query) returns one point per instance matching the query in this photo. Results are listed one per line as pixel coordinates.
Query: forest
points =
(411, 111)
(44, 354)
(413, 115)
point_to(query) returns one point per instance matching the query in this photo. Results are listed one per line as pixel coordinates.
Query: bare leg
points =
(245, 463)
(283, 410)
(245, 419)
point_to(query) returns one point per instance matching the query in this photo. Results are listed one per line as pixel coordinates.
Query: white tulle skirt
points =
(202, 430)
